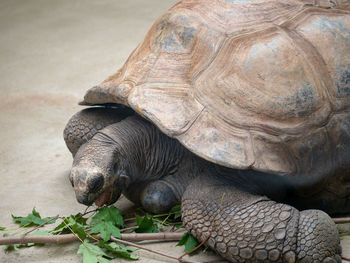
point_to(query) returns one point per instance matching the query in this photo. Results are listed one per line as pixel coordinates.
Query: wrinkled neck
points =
(144, 152)
(100, 153)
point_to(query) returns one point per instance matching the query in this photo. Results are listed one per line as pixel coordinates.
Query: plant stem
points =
(129, 219)
(151, 250)
(341, 220)
(67, 238)
(345, 258)
(123, 230)
(37, 227)
(197, 247)
(88, 212)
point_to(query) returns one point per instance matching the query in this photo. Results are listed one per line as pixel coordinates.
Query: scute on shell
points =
(245, 84)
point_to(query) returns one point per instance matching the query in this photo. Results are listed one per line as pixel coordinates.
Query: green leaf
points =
(145, 225)
(67, 224)
(119, 250)
(176, 210)
(107, 222)
(79, 230)
(110, 214)
(92, 253)
(9, 248)
(33, 219)
(106, 229)
(179, 225)
(35, 213)
(2, 228)
(41, 233)
(189, 241)
(138, 220)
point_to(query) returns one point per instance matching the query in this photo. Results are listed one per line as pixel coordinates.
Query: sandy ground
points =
(51, 52)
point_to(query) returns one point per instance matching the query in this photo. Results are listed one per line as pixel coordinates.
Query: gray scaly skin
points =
(85, 124)
(226, 208)
(244, 227)
(151, 168)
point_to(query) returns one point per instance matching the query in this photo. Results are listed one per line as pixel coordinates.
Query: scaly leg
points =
(244, 227)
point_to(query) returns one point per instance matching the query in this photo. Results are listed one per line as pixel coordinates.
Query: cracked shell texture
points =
(245, 84)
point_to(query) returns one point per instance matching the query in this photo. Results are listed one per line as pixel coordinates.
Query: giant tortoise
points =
(240, 111)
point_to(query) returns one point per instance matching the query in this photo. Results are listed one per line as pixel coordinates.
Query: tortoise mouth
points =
(107, 197)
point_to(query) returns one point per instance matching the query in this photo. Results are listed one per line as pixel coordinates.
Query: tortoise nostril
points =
(95, 183)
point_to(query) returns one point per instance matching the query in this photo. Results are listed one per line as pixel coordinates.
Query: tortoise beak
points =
(91, 185)
(111, 194)
(84, 199)
(87, 186)
(108, 196)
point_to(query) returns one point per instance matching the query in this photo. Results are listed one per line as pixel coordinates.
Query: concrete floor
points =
(51, 52)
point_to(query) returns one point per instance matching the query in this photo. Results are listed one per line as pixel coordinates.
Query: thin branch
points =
(127, 229)
(67, 238)
(152, 236)
(57, 239)
(37, 227)
(216, 261)
(341, 220)
(345, 258)
(88, 212)
(86, 209)
(197, 247)
(129, 219)
(151, 250)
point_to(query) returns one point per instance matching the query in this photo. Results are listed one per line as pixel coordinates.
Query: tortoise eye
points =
(95, 183)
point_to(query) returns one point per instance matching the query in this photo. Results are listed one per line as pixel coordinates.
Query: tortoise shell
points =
(261, 85)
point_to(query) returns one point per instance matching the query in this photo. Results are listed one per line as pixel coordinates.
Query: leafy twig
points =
(104, 227)
(88, 212)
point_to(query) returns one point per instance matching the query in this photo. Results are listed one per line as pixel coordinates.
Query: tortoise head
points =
(96, 174)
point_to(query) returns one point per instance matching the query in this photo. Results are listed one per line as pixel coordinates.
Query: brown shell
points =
(246, 84)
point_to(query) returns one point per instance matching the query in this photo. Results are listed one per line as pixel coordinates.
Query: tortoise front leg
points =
(160, 195)
(154, 196)
(243, 227)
